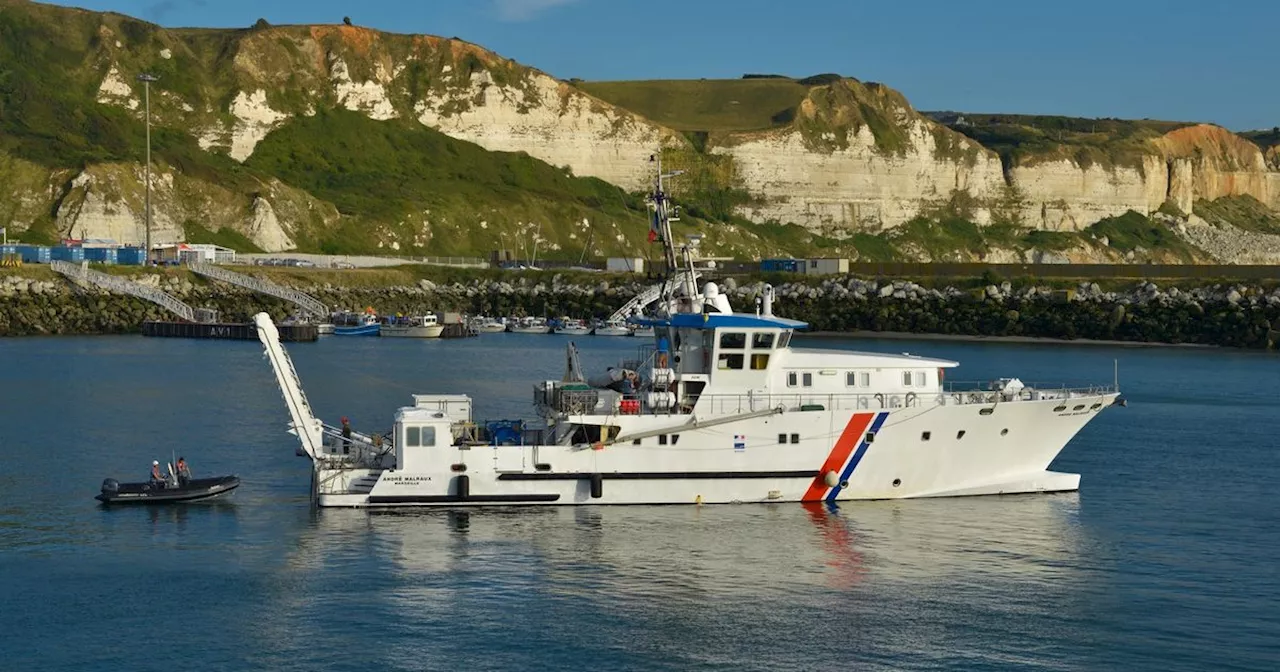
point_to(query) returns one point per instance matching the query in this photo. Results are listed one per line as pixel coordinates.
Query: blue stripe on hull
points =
(857, 456)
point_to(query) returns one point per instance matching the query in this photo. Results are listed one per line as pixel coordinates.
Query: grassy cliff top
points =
(706, 104)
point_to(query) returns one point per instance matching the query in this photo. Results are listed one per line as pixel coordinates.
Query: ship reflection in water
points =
(754, 583)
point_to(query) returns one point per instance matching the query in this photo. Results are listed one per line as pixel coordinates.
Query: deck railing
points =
(729, 404)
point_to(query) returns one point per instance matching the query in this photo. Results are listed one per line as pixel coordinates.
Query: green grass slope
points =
(712, 105)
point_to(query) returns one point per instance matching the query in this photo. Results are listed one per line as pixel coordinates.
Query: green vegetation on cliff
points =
(712, 105)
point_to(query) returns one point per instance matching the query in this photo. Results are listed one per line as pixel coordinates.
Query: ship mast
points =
(679, 271)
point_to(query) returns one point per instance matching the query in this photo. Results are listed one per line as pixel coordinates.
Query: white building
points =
(624, 265)
(829, 266)
(182, 253)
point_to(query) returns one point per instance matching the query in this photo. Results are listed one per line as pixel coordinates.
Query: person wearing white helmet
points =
(157, 480)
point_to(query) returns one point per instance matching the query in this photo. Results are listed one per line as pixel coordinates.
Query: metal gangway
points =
(307, 303)
(82, 275)
(638, 303)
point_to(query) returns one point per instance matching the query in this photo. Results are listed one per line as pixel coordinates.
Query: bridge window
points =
(759, 362)
(762, 341)
(419, 436)
(784, 340)
(728, 361)
(733, 340)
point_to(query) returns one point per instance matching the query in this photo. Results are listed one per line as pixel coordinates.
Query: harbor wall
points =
(1245, 315)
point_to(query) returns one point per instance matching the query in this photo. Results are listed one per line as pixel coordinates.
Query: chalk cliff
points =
(842, 157)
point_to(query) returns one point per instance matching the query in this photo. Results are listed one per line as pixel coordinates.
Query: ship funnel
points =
(768, 300)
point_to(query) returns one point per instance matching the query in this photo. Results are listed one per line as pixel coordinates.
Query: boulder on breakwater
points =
(1236, 315)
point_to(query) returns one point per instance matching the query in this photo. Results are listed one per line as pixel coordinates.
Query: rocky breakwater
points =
(1234, 315)
(1227, 315)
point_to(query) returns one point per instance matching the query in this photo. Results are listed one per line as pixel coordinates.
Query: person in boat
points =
(157, 479)
(346, 435)
(184, 472)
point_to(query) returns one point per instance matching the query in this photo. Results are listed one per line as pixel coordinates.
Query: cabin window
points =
(925, 436)
(728, 361)
(428, 436)
(791, 379)
(807, 379)
(782, 438)
(784, 340)
(795, 438)
(759, 362)
(733, 340)
(919, 378)
(412, 436)
(864, 380)
(850, 379)
(662, 439)
(762, 341)
(906, 379)
(675, 438)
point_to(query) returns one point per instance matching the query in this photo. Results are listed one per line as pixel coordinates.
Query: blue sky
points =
(1176, 59)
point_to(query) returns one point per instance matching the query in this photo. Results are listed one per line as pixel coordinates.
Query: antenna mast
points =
(663, 214)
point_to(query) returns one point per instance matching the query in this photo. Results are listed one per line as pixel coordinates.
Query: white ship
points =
(573, 327)
(718, 408)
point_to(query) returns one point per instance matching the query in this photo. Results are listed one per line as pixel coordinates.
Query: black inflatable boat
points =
(115, 492)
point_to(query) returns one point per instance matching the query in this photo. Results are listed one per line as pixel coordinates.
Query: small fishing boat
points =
(489, 325)
(642, 331)
(613, 328)
(325, 328)
(571, 327)
(366, 325)
(531, 325)
(165, 492)
(417, 326)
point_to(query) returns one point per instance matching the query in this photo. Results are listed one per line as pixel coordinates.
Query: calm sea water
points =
(1165, 560)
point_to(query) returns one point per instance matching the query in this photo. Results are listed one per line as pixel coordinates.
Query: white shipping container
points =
(625, 265)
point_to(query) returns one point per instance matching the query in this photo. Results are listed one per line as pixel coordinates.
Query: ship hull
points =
(813, 456)
(395, 331)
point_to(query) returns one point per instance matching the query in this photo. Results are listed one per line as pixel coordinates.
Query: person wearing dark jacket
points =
(346, 436)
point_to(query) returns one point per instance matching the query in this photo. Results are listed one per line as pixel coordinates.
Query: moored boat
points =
(365, 325)
(417, 326)
(613, 328)
(573, 327)
(165, 492)
(489, 325)
(530, 325)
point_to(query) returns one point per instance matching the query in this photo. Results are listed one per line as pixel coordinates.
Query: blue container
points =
(72, 254)
(782, 265)
(34, 254)
(8, 249)
(101, 255)
(131, 256)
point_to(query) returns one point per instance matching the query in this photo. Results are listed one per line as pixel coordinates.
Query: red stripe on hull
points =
(839, 455)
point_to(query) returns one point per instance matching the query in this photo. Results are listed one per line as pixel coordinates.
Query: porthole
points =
(871, 437)
(1079, 407)
(1004, 431)
(844, 484)
(782, 438)
(986, 411)
(897, 482)
(1095, 407)
(459, 467)
(795, 438)
(1059, 409)
(924, 436)
(960, 434)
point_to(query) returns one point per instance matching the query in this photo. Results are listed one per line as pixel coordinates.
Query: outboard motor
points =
(110, 486)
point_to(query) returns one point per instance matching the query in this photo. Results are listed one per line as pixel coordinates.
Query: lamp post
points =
(146, 80)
